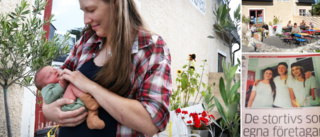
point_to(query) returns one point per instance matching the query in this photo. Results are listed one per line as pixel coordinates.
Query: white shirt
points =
(282, 98)
(253, 28)
(264, 96)
(300, 91)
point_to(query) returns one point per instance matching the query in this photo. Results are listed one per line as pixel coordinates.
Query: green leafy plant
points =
(276, 20)
(189, 84)
(231, 98)
(24, 49)
(315, 10)
(225, 25)
(245, 20)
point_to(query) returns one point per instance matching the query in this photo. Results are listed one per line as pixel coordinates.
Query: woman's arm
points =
(251, 99)
(313, 93)
(53, 112)
(129, 112)
(293, 98)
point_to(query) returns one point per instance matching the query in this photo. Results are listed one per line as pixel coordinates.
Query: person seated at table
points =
(303, 24)
(295, 28)
(289, 25)
(253, 29)
(265, 28)
(312, 25)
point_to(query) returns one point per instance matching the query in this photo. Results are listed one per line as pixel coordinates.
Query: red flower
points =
(184, 112)
(204, 113)
(198, 119)
(212, 117)
(192, 114)
(178, 110)
(197, 125)
(205, 120)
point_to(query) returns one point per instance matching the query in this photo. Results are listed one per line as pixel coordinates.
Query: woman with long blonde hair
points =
(125, 67)
(300, 87)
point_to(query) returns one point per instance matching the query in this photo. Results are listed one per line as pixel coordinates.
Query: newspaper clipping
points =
(280, 95)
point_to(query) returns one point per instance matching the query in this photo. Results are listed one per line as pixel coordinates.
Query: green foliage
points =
(23, 46)
(189, 84)
(208, 98)
(245, 20)
(231, 98)
(276, 20)
(315, 9)
(224, 25)
(222, 20)
(77, 32)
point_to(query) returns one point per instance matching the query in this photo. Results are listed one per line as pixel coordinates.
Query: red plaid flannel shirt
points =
(150, 77)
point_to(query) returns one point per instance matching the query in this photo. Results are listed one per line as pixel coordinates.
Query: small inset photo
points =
(282, 81)
(280, 26)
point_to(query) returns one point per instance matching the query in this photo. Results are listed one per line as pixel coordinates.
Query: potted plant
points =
(230, 117)
(198, 123)
(190, 85)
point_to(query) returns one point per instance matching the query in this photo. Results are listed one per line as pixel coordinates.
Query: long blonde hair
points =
(302, 73)
(125, 20)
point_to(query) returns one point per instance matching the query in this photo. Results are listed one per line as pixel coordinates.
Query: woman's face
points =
(296, 71)
(97, 14)
(282, 69)
(267, 74)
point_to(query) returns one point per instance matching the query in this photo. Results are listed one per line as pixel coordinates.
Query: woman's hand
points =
(293, 98)
(294, 103)
(63, 118)
(78, 79)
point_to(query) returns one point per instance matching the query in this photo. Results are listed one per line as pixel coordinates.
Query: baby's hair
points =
(36, 82)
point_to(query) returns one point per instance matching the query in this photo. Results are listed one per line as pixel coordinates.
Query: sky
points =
(67, 15)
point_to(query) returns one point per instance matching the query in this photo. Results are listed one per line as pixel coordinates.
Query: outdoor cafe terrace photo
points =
(269, 27)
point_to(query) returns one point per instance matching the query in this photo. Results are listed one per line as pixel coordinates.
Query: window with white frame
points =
(302, 12)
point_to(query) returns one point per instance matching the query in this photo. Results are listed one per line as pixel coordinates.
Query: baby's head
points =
(46, 75)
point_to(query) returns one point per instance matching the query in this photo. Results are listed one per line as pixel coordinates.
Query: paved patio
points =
(275, 44)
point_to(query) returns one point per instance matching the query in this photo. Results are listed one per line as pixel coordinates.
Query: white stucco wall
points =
(185, 30)
(15, 99)
(28, 113)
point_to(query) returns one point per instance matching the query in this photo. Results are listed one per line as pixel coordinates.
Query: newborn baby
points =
(47, 80)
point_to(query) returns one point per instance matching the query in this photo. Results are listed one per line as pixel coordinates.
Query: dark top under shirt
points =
(89, 69)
